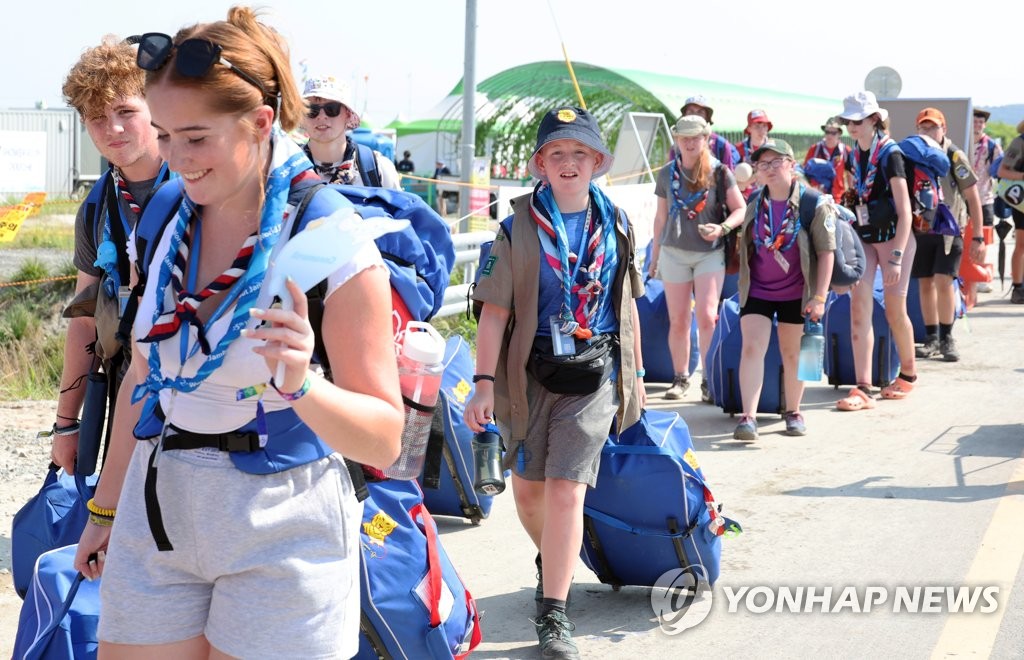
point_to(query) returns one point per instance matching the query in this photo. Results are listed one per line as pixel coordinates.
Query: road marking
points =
(996, 563)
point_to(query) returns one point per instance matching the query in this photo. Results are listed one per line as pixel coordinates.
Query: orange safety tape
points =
(39, 281)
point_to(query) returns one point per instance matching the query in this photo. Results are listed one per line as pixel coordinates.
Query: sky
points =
(403, 56)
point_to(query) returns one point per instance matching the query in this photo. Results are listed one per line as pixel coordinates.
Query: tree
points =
(1001, 131)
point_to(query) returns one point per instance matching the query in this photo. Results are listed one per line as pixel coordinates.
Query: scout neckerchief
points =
(106, 251)
(343, 171)
(599, 242)
(748, 149)
(863, 183)
(288, 167)
(693, 203)
(781, 235)
(822, 152)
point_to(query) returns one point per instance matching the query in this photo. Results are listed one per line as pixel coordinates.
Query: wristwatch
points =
(980, 239)
(897, 253)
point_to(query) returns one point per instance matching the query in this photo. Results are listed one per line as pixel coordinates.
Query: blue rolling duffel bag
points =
(53, 518)
(653, 312)
(651, 511)
(413, 603)
(885, 360)
(448, 474)
(723, 364)
(61, 612)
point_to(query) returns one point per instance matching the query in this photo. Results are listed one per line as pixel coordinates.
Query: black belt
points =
(230, 441)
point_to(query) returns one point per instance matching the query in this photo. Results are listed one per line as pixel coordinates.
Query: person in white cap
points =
(336, 157)
(880, 200)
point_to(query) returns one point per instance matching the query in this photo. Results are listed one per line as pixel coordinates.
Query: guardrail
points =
(467, 255)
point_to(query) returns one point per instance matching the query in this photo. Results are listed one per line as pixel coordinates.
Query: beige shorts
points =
(265, 566)
(677, 266)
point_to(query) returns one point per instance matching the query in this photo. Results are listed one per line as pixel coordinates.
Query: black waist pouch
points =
(582, 373)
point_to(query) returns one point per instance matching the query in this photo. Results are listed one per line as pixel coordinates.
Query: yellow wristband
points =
(820, 299)
(100, 511)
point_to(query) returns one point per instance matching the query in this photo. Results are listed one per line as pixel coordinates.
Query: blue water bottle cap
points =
(490, 427)
(812, 327)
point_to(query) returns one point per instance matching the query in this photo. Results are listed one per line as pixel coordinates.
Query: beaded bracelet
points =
(297, 394)
(98, 510)
(101, 521)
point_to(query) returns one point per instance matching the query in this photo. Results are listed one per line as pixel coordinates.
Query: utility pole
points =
(468, 112)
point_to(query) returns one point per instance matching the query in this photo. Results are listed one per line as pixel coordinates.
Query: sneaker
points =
(746, 429)
(1017, 295)
(679, 386)
(705, 393)
(554, 632)
(984, 287)
(794, 423)
(930, 348)
(948, 348)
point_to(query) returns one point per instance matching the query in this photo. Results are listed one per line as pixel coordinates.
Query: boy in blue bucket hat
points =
(563, 265)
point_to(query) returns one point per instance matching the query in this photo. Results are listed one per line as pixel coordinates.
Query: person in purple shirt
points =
(785, 269)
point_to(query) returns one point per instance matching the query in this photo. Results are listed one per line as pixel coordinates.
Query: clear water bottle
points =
(490, 478)
(419, 373)
(812, 352)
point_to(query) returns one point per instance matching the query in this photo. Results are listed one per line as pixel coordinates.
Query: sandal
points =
(897, 389)
(857, 400)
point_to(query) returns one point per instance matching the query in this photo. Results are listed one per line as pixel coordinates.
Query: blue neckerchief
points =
(245, 290)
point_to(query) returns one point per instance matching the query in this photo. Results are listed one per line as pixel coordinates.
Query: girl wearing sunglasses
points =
(258, 548)
(335, 155)
(880, 201)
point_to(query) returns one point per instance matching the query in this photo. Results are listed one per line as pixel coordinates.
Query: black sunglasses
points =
(195, 57)
(332, 109)
(851, 122)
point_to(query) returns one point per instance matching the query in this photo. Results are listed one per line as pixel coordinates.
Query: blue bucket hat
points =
(571, 123)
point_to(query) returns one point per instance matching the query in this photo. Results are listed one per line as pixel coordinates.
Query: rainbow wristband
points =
(297, 394)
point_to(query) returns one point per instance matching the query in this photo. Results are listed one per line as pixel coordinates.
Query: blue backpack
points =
(723, 364)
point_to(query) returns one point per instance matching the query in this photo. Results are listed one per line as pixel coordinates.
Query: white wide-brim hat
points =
(861, 106)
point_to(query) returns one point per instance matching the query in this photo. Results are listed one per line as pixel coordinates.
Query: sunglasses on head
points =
(194, 59)
(331, 108)
(851, 122)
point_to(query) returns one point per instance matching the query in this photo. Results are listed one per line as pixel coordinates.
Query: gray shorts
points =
(265, 566)
(564, 435)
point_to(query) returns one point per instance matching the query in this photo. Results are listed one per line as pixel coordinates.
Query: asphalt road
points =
(922, 493)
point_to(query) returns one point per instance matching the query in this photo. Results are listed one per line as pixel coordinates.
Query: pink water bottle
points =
(419, 373)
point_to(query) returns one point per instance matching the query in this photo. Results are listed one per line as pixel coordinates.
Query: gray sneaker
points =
(746, 429)
(948, 348)
(554, 632)
(705, 392)
(795, 424)
(1017, 295)
(679, 386)
(930, 348)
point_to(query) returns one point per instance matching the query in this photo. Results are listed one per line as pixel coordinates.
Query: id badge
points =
(561, 344)
(861, 211)
(781, 260)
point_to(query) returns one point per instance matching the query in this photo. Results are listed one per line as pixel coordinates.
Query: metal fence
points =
(467, 255)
